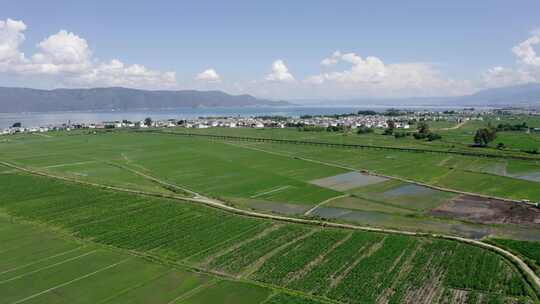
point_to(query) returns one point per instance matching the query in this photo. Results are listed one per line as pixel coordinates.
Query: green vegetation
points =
(484, 136)
(470, 174)
(277, 262)
(216, 169)
(365, 130)
(290, 262)
(453, 139)
(360, 267)
(529, 250)
(227, 292)
(287, 299)
(274, 177)
(39, 265)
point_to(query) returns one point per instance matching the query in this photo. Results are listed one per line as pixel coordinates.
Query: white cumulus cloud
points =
(525, 50)
(332, 60)
(68, 58)
(280, 72)
(527, 67)
(501, 77)
(11, 37)
(116, 73)
(371, 76)
(208, 75)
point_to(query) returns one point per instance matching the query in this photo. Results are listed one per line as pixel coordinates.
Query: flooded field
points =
(531, 176)
(379, 219)
(365, 204)
(410, 190)
(403, 195)
(427, 224)
(276, 207)
(348, 181)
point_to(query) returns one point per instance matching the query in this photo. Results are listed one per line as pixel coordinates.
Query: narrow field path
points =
(528, 273)
(156, 180)
(70, 164)
(43, 135)
(281, 188)
(459, 125)
(325, 202)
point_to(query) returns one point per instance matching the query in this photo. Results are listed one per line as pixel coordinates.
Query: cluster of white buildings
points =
(234, 122)
(351, 121)
(14, 130)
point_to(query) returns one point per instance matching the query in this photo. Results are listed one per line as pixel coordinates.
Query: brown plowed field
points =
(488, 211)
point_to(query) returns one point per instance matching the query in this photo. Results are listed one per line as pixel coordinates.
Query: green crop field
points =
(459, 139)
(455, 172)
(314, 263)
(40, 265)
(273, 178)
(529, 250)
(214, 168)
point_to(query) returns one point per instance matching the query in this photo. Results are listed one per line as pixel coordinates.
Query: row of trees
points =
(516, 127)
(307, 128)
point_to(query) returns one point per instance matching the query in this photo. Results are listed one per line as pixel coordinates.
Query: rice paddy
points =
(315, 263)
(131, 246)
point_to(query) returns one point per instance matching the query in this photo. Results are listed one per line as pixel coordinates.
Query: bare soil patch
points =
(488, 211)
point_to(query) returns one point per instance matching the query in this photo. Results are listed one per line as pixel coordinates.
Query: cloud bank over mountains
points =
(67, 60)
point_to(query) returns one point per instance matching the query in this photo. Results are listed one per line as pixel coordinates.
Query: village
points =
(362, 119)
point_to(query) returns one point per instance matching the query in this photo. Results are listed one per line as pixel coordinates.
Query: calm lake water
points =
(56, 118)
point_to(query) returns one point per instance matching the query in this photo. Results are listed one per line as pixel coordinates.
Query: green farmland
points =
(453, 139)
(276, 262)
(284, 178)
(197, 254)
(40, 265)
(215, 169)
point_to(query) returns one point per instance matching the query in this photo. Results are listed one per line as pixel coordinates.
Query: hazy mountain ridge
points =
(14, 100)
(519, 95)
(526, 94)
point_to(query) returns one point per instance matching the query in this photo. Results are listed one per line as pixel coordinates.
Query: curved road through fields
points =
(530, 275)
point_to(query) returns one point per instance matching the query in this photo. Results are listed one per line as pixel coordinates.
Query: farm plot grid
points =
(328, 264)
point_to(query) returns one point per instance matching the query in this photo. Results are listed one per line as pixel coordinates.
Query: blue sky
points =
(450, 46)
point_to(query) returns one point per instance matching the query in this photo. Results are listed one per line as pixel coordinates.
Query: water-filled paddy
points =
(348, 181)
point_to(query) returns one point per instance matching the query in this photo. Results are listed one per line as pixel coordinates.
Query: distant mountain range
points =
(16, 100)
(520, 95)
(527, 95)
